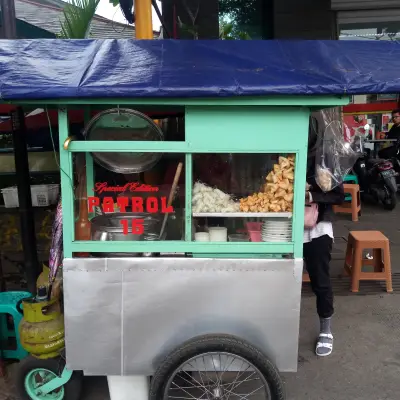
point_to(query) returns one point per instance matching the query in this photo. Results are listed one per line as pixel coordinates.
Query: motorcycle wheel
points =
(390, 200)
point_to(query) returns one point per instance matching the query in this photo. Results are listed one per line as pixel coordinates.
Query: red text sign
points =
(136, 204)
(102, 187)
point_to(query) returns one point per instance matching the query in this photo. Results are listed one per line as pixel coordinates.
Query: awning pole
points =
(28, 235)
(8, 19)
(143, 19)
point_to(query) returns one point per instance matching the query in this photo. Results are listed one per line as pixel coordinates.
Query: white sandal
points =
(326, 345)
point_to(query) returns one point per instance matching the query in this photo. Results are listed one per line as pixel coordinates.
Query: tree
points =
(245, 16)
(227, 32)
(78, 16)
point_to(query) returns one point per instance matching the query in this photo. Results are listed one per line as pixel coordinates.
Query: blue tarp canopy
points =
(62, 69)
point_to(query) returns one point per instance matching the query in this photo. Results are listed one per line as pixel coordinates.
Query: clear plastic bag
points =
(334, 156)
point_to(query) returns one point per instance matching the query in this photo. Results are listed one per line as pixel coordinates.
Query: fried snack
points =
(284, 184)
(284, 162)
(288, 174)
(280, 194)
(324, 179)
(277, 192)
(289, 197)
(272, 187)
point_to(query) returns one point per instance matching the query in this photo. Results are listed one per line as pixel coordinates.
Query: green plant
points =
(227, 32)
(245, 15)
(78, 15)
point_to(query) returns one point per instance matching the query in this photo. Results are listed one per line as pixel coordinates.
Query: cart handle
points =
(67, 142)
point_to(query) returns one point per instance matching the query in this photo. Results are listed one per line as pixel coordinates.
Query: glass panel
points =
(129, 207)
(243, 197)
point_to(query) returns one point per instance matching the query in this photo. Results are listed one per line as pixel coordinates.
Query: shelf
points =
(9, 150)
(244, 215)
(172, 246)
(32, 173)
(9, 210)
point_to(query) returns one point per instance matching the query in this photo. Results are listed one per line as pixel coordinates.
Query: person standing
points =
(317, 249)
(394, 132)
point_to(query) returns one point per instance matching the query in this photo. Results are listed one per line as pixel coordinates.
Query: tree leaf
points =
(78, 16)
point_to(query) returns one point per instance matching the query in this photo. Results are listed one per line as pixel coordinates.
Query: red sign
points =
(102, 187)
(137, 204)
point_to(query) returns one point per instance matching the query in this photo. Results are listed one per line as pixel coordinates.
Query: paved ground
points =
(366, 360)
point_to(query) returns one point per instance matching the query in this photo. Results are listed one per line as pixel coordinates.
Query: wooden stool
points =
(379, 243)
(354, 206)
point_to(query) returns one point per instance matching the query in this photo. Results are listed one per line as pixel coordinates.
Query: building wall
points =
(364, 4)
(304, 19)
(368, 19)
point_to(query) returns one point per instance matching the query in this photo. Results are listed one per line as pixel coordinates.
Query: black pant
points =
(317, 256)
(387, 152)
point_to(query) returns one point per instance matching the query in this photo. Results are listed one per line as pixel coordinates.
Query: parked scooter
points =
(392, 153)
(377, 178)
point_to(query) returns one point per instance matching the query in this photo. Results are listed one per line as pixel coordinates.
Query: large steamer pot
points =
(109, 228)
(127, 125)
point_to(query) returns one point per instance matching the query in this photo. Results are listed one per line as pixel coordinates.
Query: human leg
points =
(317, 255)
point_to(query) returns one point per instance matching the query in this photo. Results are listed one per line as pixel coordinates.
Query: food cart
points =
(195, 311)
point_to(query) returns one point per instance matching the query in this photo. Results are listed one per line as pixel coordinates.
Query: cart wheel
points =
(223, 366)
(33, 373)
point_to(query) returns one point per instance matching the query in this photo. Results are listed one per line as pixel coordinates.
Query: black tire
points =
(214, 343)
(390, 201)
(72, 389)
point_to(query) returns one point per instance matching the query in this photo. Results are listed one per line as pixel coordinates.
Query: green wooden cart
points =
(206, 319)
(132, 312)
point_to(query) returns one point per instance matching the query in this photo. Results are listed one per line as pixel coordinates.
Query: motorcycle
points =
(392, 153)
(377, 178)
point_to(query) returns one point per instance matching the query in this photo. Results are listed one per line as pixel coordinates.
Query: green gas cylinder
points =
(42, 327)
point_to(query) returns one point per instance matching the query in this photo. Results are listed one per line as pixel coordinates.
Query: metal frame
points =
(279, 100)
(212, 126)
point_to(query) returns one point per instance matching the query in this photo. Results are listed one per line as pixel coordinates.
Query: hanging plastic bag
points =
(334, 156)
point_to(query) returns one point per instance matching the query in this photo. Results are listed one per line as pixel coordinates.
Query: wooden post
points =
(143, 19)
(28, 235)
(9, 27)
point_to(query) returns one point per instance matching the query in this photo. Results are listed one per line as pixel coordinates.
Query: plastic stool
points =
(8, 306)
(306, 277)
(354, 206)
(350, 179)
(379, 243)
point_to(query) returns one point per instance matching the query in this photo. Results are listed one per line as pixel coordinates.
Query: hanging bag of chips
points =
(335, 156)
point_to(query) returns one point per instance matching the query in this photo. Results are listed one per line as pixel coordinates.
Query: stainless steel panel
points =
(124, 315)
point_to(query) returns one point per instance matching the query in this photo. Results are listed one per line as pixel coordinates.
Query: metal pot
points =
(109, 228)
(129, 125)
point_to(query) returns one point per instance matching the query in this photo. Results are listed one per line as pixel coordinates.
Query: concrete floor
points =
(365, 364)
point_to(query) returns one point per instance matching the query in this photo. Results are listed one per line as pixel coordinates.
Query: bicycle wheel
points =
(217, 367)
